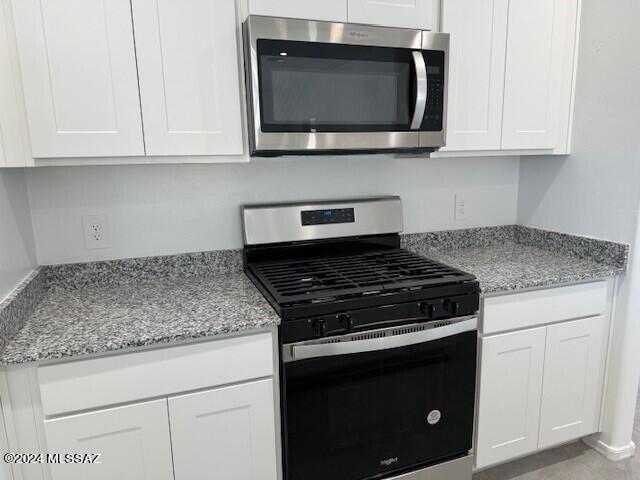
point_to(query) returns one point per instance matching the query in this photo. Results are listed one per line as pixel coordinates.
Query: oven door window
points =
(318, 87)
(361, 415)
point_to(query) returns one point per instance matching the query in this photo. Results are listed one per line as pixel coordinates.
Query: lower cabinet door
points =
(572, 387)
(133, 443)
(511, 370)
(227, 433)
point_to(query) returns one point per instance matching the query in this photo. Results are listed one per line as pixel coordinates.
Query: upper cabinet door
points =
(511, 368)
(79, 74)
(478, 31)
(230, 429)
(188, 61)
(13, 148)
(328, 10)
(572, 388)
(133, 441)
(419, 14)
(539, 73)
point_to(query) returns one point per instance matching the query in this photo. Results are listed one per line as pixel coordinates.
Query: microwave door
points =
(313, 98)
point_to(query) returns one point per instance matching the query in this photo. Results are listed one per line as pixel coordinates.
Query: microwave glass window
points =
(341, 88)
(333, 92)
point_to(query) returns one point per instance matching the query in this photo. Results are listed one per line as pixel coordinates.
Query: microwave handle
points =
(301, 352)
(421, 89)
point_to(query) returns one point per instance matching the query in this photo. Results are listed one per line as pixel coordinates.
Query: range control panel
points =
(328, 216)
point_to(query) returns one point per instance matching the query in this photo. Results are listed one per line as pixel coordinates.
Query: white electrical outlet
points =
(96, 231)
(460, 212)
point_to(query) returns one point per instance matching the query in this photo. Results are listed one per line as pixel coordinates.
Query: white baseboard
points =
(615, 454)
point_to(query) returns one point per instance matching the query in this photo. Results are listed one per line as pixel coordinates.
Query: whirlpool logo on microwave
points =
(388, 461)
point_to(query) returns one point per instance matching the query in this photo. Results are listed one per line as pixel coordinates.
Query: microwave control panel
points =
(434, 112)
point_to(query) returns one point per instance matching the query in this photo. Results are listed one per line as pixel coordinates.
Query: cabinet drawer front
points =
(511, 369)
(94, 383)
(530, 309)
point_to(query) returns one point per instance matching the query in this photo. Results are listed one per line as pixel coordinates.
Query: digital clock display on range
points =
(328, 216)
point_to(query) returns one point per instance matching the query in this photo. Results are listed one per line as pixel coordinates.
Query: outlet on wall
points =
(96, 231)
(460, 212)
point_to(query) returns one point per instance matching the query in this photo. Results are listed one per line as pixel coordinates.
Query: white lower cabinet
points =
(227, 433)
(539, 387)
(184, 412)
(509, 402)
(572, 380)
(133, 443)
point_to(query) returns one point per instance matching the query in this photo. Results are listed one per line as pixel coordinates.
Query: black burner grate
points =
(327, 279)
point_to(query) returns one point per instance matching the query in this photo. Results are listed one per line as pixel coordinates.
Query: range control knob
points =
(319, 328)
(451, 306)
(428, 309)
(345, 321)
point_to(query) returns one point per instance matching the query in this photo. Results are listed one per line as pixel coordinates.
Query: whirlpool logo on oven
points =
(388, 461)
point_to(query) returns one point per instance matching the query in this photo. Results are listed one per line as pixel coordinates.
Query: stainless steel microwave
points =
(336, 88)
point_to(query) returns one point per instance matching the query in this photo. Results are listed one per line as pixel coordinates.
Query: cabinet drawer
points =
(529, 309)
(99, 382)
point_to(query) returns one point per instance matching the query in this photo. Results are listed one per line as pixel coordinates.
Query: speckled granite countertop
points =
(79, 321)
(513, 257)
(512, 266)
(74, 310)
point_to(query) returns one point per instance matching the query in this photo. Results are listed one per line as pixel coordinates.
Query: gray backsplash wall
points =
(17, 251)
(168, 209)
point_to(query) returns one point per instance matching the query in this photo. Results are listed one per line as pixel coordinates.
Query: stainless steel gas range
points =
(378, 344)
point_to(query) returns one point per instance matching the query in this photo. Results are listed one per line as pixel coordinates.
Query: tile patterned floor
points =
(570, 462)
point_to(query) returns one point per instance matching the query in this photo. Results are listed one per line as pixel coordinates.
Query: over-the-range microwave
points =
(336, 88)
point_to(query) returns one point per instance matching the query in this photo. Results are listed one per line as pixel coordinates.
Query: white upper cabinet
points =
(133, 442)
(572, 388)
(509, 399)
(189, 76)
(227, 433)
(14, 151)
(539, 74)
(478, 31)
(79, 74)
(511, 78)
(327, 10)
(419, 14)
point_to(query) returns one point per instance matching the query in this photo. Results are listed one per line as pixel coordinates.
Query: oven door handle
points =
(421, 90)
(303, 352)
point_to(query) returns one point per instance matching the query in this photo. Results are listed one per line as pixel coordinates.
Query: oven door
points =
(381, 403)
(326, 87)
